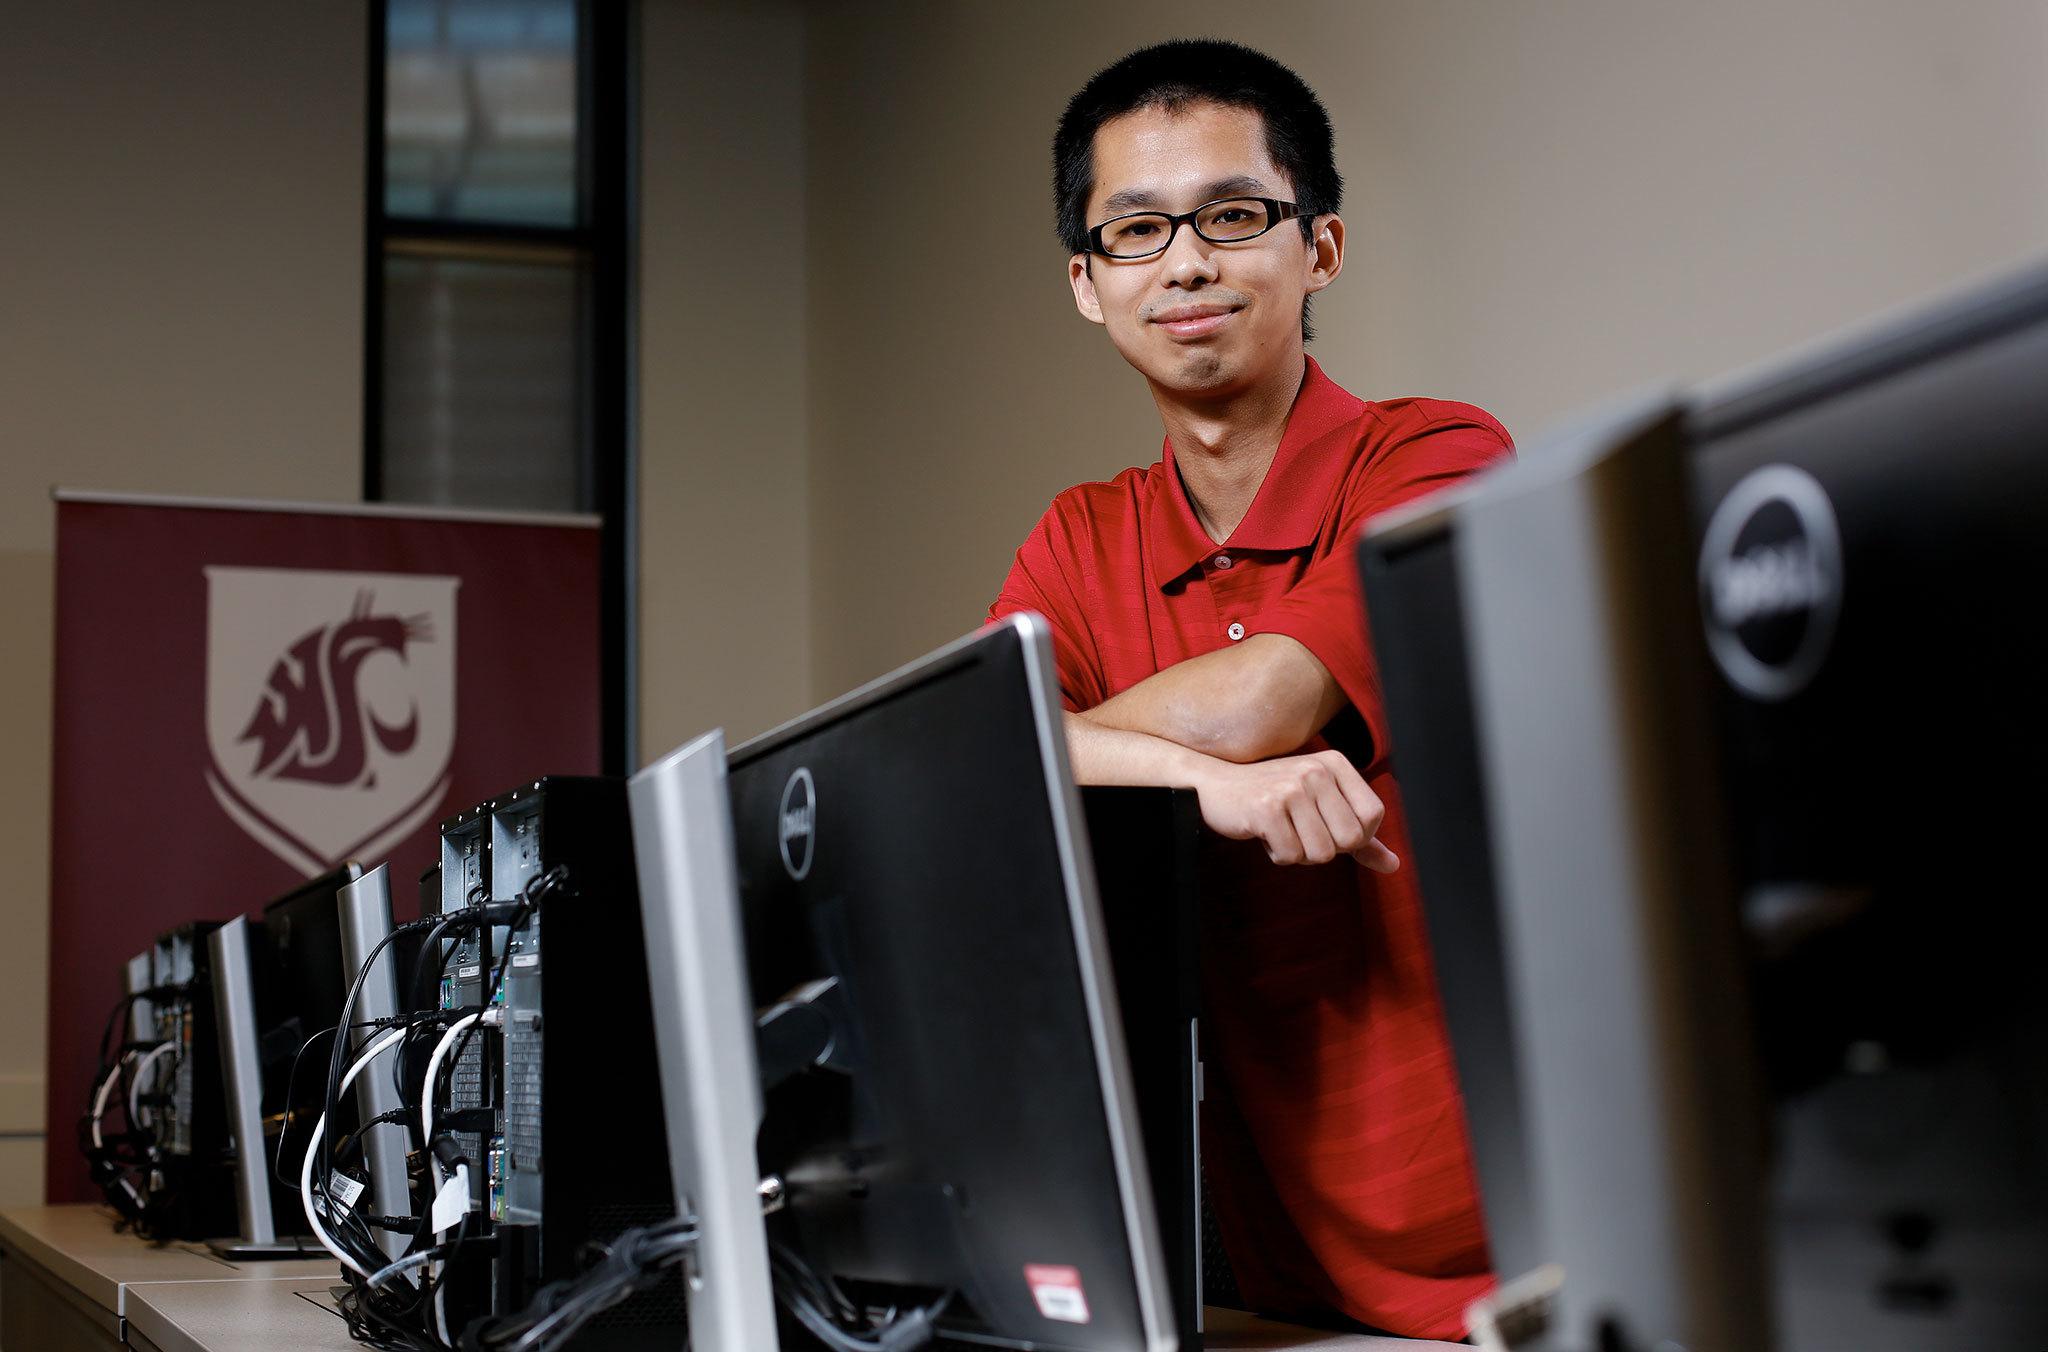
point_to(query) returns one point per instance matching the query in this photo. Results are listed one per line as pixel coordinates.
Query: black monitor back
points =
(1877, 557)
(299, 988)
(1871, 528)
(913, 842)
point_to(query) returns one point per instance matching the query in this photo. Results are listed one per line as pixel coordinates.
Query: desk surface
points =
(182, 1298)
(261, 1316)
(79, 1246)
(237, 1317)
(1235, 1331)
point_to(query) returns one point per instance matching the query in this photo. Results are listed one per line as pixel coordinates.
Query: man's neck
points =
(1223, 447)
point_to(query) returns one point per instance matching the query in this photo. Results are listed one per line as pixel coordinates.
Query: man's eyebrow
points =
(1147, 199)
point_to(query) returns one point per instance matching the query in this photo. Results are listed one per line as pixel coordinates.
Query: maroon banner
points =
(248, 695)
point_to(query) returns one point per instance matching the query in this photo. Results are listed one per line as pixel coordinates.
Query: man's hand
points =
(1303, 809)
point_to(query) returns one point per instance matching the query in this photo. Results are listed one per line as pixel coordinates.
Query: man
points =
(1209, 634)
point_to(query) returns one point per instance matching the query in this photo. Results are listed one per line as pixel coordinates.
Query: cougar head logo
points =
(310, 722)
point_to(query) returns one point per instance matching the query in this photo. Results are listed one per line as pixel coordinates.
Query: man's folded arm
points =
(1263, 697)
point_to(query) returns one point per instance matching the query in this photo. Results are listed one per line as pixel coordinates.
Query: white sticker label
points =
(451, 1204)
(526, 959)
(344, 1190)
(465, 973)
(1058, 1292)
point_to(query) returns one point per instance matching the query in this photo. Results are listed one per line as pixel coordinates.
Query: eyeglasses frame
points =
(1276, 210)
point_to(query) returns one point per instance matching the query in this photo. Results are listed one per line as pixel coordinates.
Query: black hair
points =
(1173, 76)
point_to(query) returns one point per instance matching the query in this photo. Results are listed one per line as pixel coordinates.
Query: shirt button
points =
(1222, 560)
(1236, 631)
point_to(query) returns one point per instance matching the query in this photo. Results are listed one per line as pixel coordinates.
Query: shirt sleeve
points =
(1039, 581)
(1325, 610)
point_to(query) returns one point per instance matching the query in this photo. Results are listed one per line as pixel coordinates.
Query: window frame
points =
(607, 83)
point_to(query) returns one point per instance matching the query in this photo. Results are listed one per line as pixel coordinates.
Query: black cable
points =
(530, 896)
(121, 1007)
(804, 1294)
(375, 1316)
(634, 1261)
(416, 1000)
(338, 1061)
(291, 1096)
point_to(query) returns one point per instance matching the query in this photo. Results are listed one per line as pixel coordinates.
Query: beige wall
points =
(182, 312)
(1548, 203)
(725, 605)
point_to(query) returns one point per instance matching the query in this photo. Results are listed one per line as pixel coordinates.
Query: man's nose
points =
(1189, 258)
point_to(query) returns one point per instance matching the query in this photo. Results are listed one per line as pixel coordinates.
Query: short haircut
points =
(1175, 75)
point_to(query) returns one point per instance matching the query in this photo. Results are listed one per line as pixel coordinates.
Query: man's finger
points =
(1348, 833)
(1357, 792)
(1316, 845)
(1283, 844)
(1378, 857)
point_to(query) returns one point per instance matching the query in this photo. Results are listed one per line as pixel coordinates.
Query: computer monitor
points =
(947, 1105)
(276, 987)
(1709, 716)
(704, 1035)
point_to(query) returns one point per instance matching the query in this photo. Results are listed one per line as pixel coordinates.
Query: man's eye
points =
(1231, 216)
(1139, 229)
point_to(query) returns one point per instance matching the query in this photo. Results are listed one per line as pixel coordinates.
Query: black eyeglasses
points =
(1227, 220)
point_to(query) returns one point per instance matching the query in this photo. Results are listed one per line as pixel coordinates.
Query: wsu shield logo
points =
(330, 707)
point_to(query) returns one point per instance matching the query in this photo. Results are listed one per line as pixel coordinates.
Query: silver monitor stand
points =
(241, 1067)
(365, 908)
(704, 1030)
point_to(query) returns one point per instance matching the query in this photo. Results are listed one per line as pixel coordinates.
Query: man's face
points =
(1202, 319)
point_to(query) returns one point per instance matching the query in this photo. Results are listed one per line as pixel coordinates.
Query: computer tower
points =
(577, 1152)
(192, 1188)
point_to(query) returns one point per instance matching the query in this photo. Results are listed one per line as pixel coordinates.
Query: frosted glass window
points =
(483, 383)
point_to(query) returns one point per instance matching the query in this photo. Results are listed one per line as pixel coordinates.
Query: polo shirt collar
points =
(1290, 505)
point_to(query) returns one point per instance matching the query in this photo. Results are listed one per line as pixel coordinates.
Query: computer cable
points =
(807, 1296)
(451, 1038)
(109, 1166)
(142, 1067)
(121, 1007)
(314, 1201)
(345, 1046)
(637, 1259)
(537, 888)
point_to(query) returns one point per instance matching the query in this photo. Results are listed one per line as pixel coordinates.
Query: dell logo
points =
(796, 823)
(1771, 582)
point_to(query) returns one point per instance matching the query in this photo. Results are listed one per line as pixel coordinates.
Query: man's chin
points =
(1196, 369)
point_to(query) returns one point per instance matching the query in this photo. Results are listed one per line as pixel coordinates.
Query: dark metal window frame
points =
(606, 129)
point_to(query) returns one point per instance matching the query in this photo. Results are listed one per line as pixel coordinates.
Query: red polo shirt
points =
(1334, 1139)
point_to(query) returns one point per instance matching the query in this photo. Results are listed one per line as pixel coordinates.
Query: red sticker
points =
(1058, 1292)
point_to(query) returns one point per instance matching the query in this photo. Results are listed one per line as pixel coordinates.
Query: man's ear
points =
(1325, 252)
(1082, 279)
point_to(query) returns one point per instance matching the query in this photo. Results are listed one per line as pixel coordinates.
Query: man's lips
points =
(1193, 321)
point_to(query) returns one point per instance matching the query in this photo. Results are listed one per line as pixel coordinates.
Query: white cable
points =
(135, 1082)
(448, 1039)
(376, 1049)
(405, 1264)
(99, 1102)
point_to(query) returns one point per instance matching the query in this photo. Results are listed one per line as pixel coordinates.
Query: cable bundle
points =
(402, 1304)
(122, 1162)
